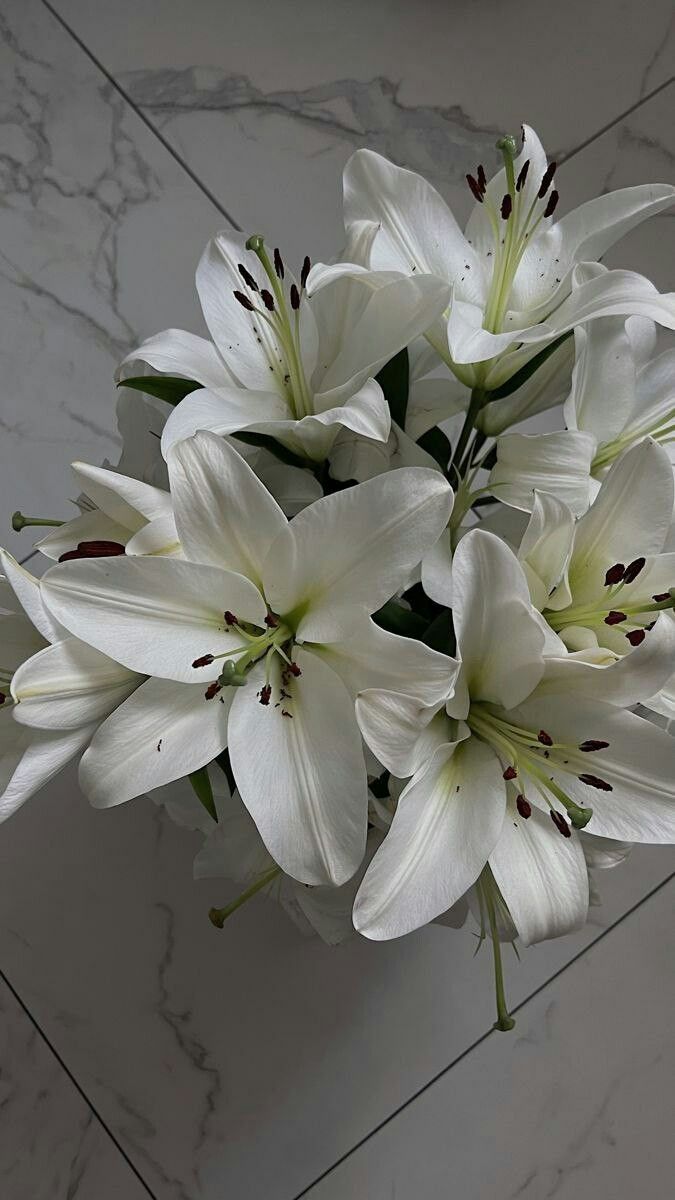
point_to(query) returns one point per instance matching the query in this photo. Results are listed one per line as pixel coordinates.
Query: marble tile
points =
(267, 101)
(575, 1104)
(101, 231)
(241, 1062)
(639, 149)
(52, 1146)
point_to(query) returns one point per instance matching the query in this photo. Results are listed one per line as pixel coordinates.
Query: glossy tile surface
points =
(574, 1104)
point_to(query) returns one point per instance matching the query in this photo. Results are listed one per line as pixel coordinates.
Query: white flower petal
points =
(68, 685)
(90, 527)
(162, 732)
(28, 592)
(437, 570)
(589, 230)
(446, 824)
(498, 637)
(630, 517)
(614, 293)
(402, 731)
(128, 501)
(29, 758)
(546, 546)
(153, 615)
(541, 875)
(624, 682)
(302, 777)
(558, 463)
(374, 658)
(225, 516)
(157, 537)
(176, 352)
(639, 765)
(348, 553)
(224, 411)
(417, 233)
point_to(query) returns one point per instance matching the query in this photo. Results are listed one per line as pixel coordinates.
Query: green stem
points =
(505, 1021)
(475, 404)
(218, 916)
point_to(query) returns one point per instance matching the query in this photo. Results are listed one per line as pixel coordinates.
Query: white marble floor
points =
(247, 1063)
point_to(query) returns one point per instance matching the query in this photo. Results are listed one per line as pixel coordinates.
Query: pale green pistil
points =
(276, 317)
(513, 225)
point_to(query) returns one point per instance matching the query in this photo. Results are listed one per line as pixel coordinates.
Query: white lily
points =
(55, 690)
(503, 772)
(121, 515)
(511, 271)
(282, 609)
(603, 580)
(233, 849)
(282, 364)
(614, 359)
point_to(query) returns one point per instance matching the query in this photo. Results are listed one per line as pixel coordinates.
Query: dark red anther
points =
(267, 299)
(230, 618)
(633, 570)
(212, 691)
(265, 694)
(524, 807)
(510, 773)
(244, 301)
(278, 264)
(482, 180)
(661, 597)
(546, 180)
(294, 669)
(560, 823)
(306, 268)
(545, 738)
(295, 298)
(614, 617)
(204, 661)
(271, 621)
(522, 176)
(596, 782)
(552, 204)
(475, 188)
(507, 205)
(593, 744)
(98, 549)
(247, 278)
(636, 636)
(614, 575)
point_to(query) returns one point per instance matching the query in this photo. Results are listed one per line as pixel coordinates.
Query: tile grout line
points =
(143, 117)
(615, 121)
(79, 1089)
(483, 1037)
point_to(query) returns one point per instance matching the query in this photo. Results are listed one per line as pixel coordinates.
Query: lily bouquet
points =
(397, 658)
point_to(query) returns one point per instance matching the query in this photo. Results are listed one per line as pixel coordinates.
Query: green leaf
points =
(527, 371)
(396, 619)
(204, 792)
(265, 442)
(171, 388)
(394, 379)
(437, 445)
(440, 635)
